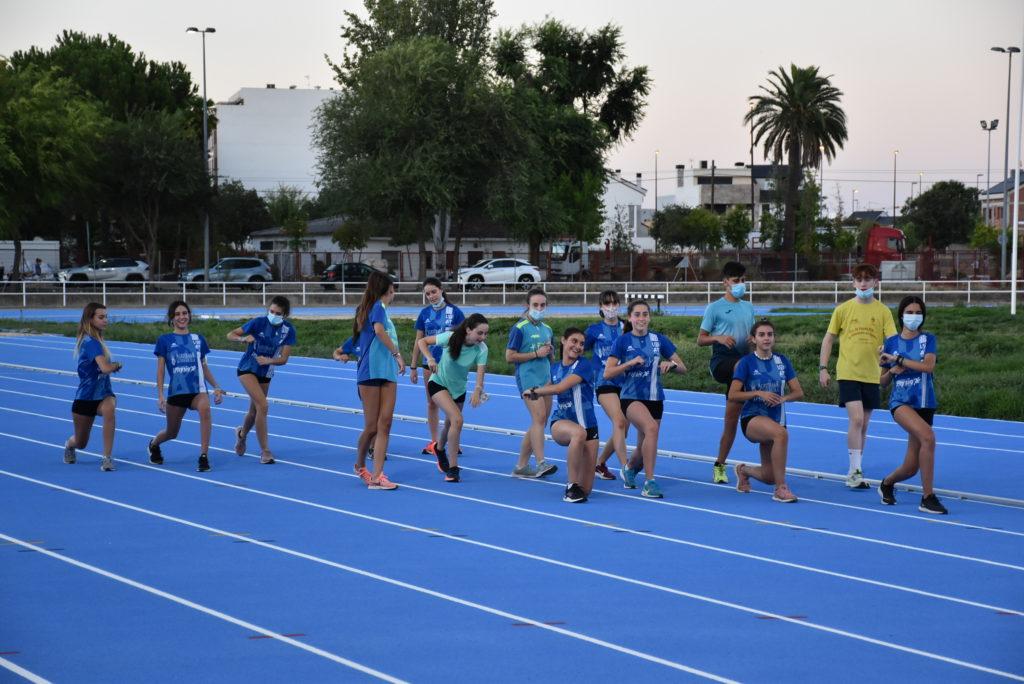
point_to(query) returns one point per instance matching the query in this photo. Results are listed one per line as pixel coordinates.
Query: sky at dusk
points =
(916, 75)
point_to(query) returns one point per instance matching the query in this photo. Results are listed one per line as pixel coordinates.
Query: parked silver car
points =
(233, 270)
(498, 271)
(110, 269)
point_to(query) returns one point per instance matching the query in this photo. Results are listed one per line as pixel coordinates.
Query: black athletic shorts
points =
(433, 388)
(87, 407)
(182, 400)
(928, 415)
(745, 421)
(657, 408)
(609, 389)
(722, 371)
(373, 382)
(259, 378)
(866, 392)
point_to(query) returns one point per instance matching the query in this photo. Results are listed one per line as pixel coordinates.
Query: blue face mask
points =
(537, 314)
(913, 321)
(275, 319)
(866, 294)
(738, 290)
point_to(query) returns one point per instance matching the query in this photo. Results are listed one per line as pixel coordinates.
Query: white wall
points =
(266, 140)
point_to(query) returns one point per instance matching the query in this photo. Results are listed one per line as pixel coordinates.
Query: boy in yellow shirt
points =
(861, 324)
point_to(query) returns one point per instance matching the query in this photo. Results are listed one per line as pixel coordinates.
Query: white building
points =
(264, 138)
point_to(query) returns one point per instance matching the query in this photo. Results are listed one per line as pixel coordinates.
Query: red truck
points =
(884, 243)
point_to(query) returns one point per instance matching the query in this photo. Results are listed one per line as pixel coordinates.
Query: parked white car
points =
(233, 270)
(112, 269)
(499, 271)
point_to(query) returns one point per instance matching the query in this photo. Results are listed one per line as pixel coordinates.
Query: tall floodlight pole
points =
(656, 181)
(853, 201)
(989, 126)
(1016, 199)
(206, 154)
(1009, 51)
(895, 153)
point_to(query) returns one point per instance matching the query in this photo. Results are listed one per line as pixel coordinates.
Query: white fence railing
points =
(49, 294)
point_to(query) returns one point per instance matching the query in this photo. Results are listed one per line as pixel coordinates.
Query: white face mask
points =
(537, 314)
(610, 312)
(441, 303)
(866, 294)
(913, 321)
(275, 319)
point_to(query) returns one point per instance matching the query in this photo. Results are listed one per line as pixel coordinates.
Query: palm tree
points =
(798, 117)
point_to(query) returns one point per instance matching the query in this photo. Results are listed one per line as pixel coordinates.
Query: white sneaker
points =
(107, 464)
(855, 480)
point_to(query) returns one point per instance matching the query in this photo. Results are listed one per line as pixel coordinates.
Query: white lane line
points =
(661, 502)
(544, 514)
(356, 571)
(201, 608)
(22, 672)
(495, 380)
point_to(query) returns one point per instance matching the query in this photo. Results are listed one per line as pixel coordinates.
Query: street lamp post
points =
(895, 153)
(920, 182)
(1009, 51)
(206, 155)
(989, 126)
(853, 201)
(821, 177)
(656, 181)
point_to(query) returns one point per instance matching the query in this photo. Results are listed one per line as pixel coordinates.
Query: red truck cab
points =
(884, 244)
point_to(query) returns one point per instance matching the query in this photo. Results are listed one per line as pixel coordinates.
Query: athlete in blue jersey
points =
(599, 338)
(573, 421)
(380, 364)
(764, 381)
(270, 339)
(726, 329)
(641, 357)
(439, 316)
(348, 351)
(909, 361)
(94, 395)
(530, 349)
(183, 355)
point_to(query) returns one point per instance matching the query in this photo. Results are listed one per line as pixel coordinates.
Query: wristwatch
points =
(823, 367)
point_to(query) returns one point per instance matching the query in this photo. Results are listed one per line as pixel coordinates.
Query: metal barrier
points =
(49, 294)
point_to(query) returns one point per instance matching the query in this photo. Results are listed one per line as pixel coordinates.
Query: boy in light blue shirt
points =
(726, 328)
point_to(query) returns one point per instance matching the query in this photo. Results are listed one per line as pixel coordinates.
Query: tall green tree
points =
(797, 115)
(944, 214)
(736, 227)
(49, 142)
(680, 226)
(235, 212)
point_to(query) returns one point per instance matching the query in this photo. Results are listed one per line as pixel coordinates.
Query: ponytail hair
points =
(377, 285)
(85, 327)
(627, 326)
(458, 338)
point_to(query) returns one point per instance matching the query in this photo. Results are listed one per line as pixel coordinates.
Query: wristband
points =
(822, 368)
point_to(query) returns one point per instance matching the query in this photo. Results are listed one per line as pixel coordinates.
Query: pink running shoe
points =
(783, 495)
(363, 474)
(603, 472)
(381, 482)
(742, 479)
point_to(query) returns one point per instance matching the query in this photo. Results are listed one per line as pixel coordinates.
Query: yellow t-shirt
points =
(861, 328)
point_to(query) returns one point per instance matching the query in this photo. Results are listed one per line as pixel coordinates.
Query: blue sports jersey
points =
(270, 339)
(576, 404)
(93, 385)
(376, 361)
(913, 388)
(526, 337)
(433, 322)
(722, 317)
(643, 381)
(764, 375)
(183, 358)
(600, 338)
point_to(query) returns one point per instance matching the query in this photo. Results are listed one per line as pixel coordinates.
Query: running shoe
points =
(267, 458)
(742, 479)
(544, 469)
(855, 480)
(887, 493)
(204, 463)
(603, 472)
(651, 490)
(524, 471)
(574, 494)
(107, 465)
(784, 495)
(931, 504)
(381, 482)
(720, 476)
(239, 441)
(442, 459)
(69, 453)
(155, 457)
(452, 475)
(628, 477)
(363, 474)
(430, 449)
